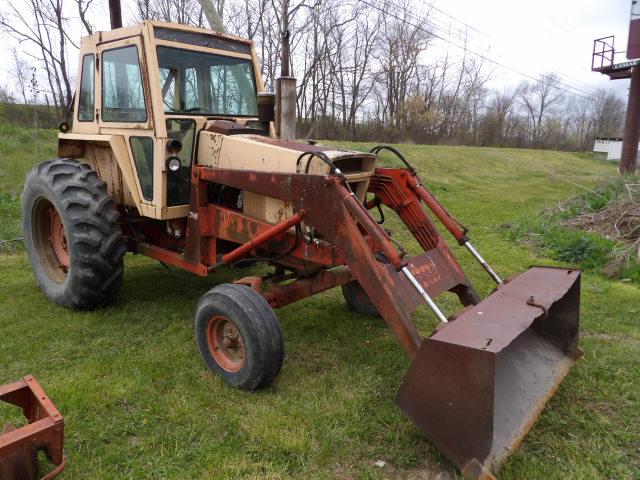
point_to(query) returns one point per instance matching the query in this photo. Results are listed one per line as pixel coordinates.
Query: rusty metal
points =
(169, 257)
(340, 221)
(58, 240)
(43, 432)
(226, 343)
(280, 295)
(262, 238)
(402, 192)
(439, 211)
(503, 360)
(390, 186)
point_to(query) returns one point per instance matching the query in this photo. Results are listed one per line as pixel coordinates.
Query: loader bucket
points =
(476, 387)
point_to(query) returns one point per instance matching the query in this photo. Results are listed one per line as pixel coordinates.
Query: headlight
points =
(173, 164)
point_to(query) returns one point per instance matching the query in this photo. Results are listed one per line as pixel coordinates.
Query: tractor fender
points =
(109, 157)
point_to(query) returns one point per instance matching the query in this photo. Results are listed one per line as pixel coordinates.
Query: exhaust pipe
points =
(286, 108)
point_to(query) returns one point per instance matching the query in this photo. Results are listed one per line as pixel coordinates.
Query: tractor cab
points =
(145, 91)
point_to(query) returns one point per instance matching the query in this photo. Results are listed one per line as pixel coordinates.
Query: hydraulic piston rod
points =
(425, 296)
(482, 262)
(446, 219)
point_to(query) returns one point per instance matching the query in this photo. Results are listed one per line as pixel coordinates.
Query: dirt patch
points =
(425, 471)
(597, 335)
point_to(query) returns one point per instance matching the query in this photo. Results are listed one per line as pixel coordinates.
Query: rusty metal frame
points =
(347, 236)
(603, 60)
(45, 430)
(404, 193)
(604, 51)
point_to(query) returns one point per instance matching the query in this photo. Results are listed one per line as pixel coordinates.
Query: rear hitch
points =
(44, 431)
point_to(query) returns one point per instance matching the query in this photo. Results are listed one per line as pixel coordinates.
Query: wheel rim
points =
(225, 343)
(50, 240)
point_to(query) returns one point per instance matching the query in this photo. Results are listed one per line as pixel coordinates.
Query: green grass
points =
(139, 403)
(546, 234)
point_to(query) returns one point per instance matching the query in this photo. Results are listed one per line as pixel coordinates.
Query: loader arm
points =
(331, 208)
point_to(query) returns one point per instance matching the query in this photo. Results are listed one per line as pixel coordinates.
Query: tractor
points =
(176, 151)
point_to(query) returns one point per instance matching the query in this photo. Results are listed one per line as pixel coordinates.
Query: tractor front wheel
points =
(239, 336)
(357, 299)
(71, 233)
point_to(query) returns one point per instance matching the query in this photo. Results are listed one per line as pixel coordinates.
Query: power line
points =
(591, 90)
(479, 55)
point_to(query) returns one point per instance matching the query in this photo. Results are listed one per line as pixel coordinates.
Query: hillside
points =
(139, 403)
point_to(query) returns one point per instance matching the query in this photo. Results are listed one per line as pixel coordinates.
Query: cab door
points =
(124, 108)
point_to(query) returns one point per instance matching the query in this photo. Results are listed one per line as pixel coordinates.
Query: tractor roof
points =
(179, 31)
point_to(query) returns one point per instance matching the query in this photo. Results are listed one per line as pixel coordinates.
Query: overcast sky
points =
(530, 37)
(541, 35)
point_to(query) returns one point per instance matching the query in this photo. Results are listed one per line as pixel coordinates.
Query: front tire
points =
(358, 300)
(239, 336)
(72, 236)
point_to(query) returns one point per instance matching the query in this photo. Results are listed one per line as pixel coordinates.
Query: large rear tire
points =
(72, 236)
(239, 336)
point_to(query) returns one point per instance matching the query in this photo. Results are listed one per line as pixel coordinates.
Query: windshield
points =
(207, 84)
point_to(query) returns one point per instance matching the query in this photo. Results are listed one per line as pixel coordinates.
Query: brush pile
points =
(618, 220)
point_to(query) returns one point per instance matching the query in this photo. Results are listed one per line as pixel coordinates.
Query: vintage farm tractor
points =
(175, 153)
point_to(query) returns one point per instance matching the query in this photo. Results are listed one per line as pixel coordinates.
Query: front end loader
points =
(173, 155)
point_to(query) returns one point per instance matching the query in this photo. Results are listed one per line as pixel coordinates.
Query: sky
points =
(524, 38)
(535, 37)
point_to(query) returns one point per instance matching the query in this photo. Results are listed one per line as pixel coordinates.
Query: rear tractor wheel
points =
(239, 336)
(71, 233)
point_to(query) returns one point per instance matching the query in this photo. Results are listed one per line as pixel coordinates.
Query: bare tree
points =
(83, 6)
(20, 74)
(5, 96)
(43, 25)
(539, 99)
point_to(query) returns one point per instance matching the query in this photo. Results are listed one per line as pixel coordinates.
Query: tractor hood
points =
(230, 145)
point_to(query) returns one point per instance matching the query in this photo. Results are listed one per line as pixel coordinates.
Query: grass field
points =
(139, 403)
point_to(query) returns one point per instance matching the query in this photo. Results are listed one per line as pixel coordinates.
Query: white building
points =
(611, 146)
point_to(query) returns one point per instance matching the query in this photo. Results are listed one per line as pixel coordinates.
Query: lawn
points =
(139, 403)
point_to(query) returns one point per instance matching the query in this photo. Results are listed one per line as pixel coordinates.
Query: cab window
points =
(86, 102)
(122, 89)
(206, 83)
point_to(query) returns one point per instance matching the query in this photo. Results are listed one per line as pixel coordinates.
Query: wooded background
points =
(366, 70)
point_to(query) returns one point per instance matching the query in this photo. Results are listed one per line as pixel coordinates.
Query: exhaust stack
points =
(286, 108)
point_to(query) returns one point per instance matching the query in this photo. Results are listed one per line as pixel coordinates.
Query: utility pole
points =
(286, 47)
(115, 14)
(631, 135)
(285, 85)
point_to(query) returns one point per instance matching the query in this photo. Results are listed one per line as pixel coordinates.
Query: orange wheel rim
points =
(58, 240)
(225, 343)
(50, 240)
